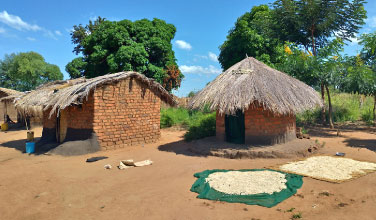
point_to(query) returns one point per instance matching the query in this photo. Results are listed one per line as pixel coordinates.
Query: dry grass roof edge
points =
(60, 94)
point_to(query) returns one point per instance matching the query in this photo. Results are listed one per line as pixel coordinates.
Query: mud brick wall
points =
(261, 127)
(264, 127)
(126, 113)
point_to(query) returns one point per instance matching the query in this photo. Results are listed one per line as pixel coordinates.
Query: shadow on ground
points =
(180, 147)
(210, 146)
(370, 144)
(20, 145)
(324, 131)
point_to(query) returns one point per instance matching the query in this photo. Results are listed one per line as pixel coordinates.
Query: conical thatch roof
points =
(253, 82)
(61, 94)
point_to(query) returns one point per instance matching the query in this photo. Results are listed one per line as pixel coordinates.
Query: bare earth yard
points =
(56, 187)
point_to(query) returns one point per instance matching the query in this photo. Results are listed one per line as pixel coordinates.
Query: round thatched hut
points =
(255, 103)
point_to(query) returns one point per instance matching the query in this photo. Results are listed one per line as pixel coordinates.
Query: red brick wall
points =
(126, 113)
(82, 116)
(262, 127)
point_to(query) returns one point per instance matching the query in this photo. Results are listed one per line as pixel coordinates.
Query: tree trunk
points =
(374, 110)
(330, 107)
(323, 118)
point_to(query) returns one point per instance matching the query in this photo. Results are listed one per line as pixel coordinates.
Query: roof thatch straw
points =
(58, 95)
(251, 82)
(4, 92)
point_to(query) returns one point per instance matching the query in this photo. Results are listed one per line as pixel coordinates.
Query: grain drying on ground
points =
(247, 183)
(329, 168)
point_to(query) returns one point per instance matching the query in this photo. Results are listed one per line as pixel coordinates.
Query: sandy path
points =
(56, 187)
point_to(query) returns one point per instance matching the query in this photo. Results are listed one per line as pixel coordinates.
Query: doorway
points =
(235, 128)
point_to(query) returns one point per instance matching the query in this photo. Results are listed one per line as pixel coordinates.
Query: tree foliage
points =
(26, 71)
(113, 46)
(311, 24)
(252, 36)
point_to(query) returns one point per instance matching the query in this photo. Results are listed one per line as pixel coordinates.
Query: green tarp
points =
(204, 190)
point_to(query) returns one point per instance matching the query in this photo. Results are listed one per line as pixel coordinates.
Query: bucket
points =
(30, 147)
(4, 127)
(30, 136)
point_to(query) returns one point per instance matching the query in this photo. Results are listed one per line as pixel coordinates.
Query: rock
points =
(107, 166)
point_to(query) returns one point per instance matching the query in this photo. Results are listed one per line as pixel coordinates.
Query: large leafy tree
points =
(113, 46)
(252, 36)
(322, 70)
(26, 71)
(368, 54)
(311, 24)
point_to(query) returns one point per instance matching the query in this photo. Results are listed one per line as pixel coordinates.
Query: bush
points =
(199, 123)
(202, 127)
(346, 107)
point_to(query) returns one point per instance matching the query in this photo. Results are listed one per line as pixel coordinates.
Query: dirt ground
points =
(57, 187)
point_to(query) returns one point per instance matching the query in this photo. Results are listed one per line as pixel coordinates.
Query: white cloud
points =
(183, 45)
(31, 39)
(213, 57)
(200, 69)
(50, 34)
(58, 33)
(354, 40)
(17, 23)
(371, 22)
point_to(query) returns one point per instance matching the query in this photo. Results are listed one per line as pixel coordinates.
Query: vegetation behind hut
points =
(26, 71)
(143, 46)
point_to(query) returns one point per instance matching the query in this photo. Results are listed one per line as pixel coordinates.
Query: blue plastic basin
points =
(30, 147)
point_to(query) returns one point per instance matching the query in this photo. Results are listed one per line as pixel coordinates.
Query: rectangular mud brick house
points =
(110, 111)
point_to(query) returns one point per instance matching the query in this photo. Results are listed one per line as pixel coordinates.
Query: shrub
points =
(346, 107)
(201, 127)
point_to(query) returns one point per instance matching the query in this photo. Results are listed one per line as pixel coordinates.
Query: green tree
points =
(321, 70)
(252, 36)
(76, 67)
(113, 46)
(311, 24)
(368, 53)
(26, 71)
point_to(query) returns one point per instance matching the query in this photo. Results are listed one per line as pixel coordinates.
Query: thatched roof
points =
(4, 92)
(58, 95)
(253, 82)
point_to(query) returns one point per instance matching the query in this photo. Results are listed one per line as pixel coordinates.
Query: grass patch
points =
(346, 107)
(199, 124)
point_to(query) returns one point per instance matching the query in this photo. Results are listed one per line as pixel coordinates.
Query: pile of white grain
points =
(247, 183)
(329, 168)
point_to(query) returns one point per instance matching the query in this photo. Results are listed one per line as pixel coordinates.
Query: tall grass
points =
(198, 123)
(346, 107)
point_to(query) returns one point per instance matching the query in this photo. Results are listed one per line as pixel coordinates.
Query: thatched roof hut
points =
(256, 103)
(58, 95)
(7, 108)
(251, 81)
(106, 112)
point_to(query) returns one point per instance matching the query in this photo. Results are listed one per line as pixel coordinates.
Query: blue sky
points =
(43, 26)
